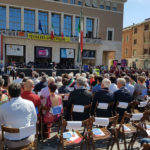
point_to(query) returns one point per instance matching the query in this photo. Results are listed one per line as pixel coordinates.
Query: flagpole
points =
(81, 23)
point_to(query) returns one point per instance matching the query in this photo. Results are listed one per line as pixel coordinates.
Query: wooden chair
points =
(105, 106)
(108, 130)
(33, 144)
(74, 127)
(143, 125)
(126, 127)
(54, 124)
(86, 107)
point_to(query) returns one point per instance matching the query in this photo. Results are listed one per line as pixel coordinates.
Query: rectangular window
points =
(101, 6)
(145, 51)
(135, 30)
(29, 20)
(107, 7)
(79, 3)
(56, 23)
(146, 27)
(67, 25)
(110, 35)
(135, 41)
(2, 17)
(127, 38)
(89, 28)
(114, 8)
(43, 23)
(72, 1)
(134, 52)
(65, 1)
(77, 21)
(15, 19)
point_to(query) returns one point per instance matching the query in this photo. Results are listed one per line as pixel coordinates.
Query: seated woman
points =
(140, 91)
(53, 109)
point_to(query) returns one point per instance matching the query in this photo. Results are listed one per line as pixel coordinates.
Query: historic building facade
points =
(47, 31)
(136, 44)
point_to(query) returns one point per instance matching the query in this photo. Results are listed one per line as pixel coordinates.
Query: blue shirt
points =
(130, 88)
(96, 88)
(112, 88)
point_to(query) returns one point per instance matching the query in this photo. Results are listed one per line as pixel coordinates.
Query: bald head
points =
(28, 85)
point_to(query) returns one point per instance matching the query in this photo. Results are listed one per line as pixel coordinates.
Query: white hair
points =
(70, 75)
(122, 81)
(83, 75)
(51, 80)
(106, 83)
(106, 75)
(82, 81)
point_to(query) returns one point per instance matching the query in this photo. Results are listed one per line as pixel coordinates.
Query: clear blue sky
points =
(136, 11)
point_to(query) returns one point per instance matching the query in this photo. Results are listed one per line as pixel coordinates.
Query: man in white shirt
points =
(21, 77)
(18, 113)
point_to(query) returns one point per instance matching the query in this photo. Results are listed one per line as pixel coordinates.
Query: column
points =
(84, 26)
(98, 25)
(95, 28)
(62, 23)
(49, 22)
(73, 25)
(36, 21)
(7, 16)
(22, 18)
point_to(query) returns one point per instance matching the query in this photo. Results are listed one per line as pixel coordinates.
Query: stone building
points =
(27, 29)
(136, 44)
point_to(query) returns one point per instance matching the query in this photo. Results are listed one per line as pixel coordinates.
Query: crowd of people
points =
(25, 99)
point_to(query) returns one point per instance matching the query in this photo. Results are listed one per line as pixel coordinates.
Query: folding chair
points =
(33, 144)
(104, 107)
(105, 130)
(80, 110)
(70, 135)
(126, 127)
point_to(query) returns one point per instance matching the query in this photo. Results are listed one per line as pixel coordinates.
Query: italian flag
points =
(80, 30)
(52, 32)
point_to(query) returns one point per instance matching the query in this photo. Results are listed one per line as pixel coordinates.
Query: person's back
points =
(122, 95)
(103, 96)
(81, 96)
(22, 110)
(18, 113)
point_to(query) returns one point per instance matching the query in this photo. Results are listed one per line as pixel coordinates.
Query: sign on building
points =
(14, 50)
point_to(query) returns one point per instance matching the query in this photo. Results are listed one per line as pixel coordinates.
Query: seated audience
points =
(122, 95)
(40, 85)
(29, 95)
(140, 91)
(21, 77)
(113, 86)
(129, 86)
(64, 89)
(81, 96)
(97, 87)
(103, 96)
(17, 113)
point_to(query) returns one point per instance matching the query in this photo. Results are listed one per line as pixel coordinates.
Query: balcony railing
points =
(23, 34)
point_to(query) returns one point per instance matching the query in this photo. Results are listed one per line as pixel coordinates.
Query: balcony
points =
(23, 34)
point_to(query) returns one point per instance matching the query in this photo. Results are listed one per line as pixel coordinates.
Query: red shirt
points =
(32, 97)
